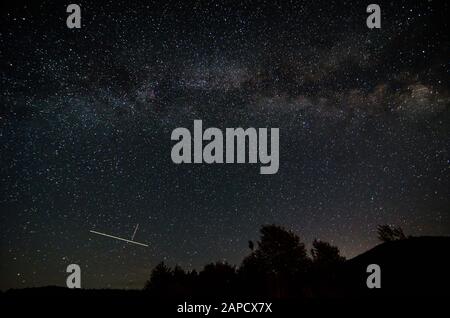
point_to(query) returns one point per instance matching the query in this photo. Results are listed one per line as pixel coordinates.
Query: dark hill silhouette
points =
(412, 267)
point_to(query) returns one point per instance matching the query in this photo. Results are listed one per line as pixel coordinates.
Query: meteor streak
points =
(120, 238)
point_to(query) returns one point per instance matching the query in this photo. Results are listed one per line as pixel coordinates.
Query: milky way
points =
(86, 117)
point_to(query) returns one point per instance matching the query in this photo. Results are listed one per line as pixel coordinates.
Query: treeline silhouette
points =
(278, 266)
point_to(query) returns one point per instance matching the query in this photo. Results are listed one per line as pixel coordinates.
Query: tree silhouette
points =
(280, 261)
(218, 279)
(387, 233)
(171, 283)
(281, 251)
(160, 281)
(326, 263)
(325, 254)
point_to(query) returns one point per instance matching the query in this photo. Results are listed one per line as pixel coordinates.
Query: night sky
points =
(86, 117)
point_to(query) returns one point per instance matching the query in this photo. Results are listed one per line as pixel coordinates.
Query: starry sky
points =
(86, 117)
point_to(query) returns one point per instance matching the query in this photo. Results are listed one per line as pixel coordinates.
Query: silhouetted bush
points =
(387, 233)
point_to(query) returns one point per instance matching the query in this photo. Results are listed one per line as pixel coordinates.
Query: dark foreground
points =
(415, 273)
